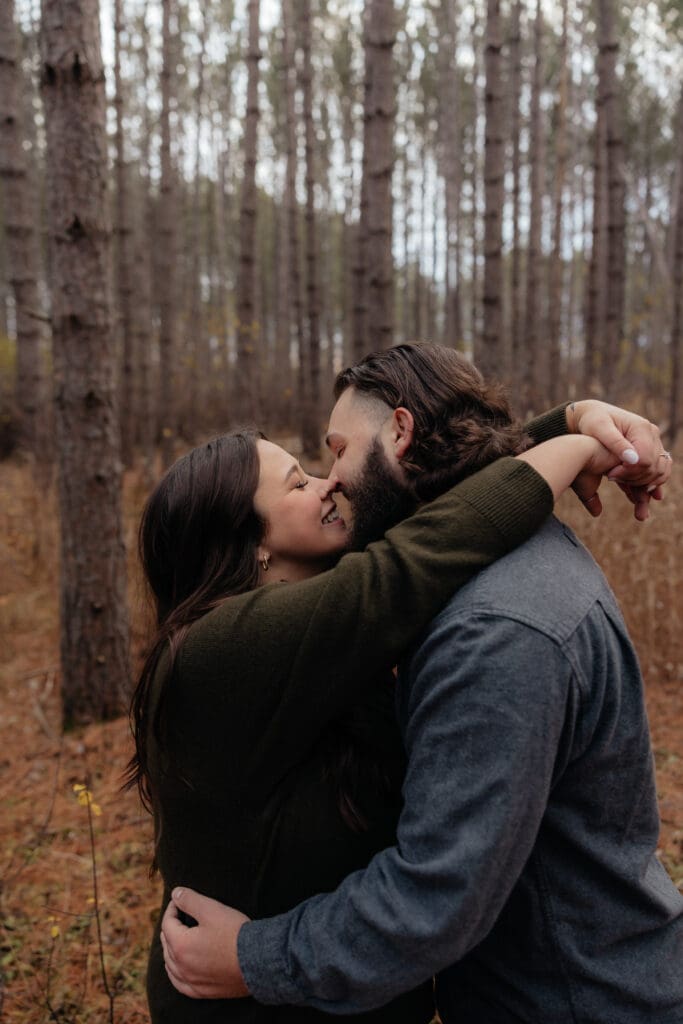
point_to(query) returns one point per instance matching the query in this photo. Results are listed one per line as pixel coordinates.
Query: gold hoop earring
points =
(264, 563)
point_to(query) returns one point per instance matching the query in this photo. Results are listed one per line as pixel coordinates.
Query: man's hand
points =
(644, 464)
(202, 961)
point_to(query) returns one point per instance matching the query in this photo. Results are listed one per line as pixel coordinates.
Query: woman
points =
(265, 739)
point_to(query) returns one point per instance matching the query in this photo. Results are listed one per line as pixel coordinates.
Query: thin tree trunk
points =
(379, 42)
(167, 253)
(310, 427)
(450, 132)
(94, 620)
(555, 384)
(128, 377)
(516, 345)
(248, 328)
(143, 240)
(21, 241)
(616, 197)
(489, 357)
(677, 323)
(292, 206)
(198, 340)
(533, 356)
(597, 274)
(360, 263)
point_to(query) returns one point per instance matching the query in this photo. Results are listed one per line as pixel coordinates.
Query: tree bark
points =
(516, 319)
(248, 327)
(616, 197)
(198, 340)
(534, 360)
(677, 322)
(167, 252)
(489, 357)
(310, 427)
(21, 240)
(379, 140)
(555, 381)
(94, 620)
(450, 134)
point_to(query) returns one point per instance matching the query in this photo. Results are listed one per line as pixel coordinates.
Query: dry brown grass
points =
(45, 858)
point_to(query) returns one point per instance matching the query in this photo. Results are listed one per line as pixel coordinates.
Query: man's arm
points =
(481, 738)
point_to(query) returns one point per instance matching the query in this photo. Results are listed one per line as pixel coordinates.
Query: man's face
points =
(366, 470)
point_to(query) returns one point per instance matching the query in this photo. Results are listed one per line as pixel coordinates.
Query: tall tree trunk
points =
(21, 242)
(616, 196)
(379, 42)
(516, 319)
(292, 256)
(128, 376)
(199, 344)
(489, 357)
(476, 147)
(534, 357)
(143, 240)
(167, 252)
(677, 323)
(94, 621)
(248, 347)
(555, 380)
(360, 262)
(596, 293)
(310, 427)
(449, 133)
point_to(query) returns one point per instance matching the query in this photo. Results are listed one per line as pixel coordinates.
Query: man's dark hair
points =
(462, 422)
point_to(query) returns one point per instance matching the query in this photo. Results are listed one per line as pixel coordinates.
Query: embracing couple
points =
(488, 815)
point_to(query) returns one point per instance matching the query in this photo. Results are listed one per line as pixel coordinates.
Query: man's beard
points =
(378, 499)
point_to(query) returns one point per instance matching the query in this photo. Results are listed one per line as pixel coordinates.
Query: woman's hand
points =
(573, 460)
(643, 467)
(201, 961)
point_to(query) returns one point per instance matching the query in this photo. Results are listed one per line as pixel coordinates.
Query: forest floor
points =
(53, 965)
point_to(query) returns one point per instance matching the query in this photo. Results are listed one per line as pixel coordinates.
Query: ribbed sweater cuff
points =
(511, 495)
(549, 424)
(261, 951)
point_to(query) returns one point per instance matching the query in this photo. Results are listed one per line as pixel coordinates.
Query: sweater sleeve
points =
(549, 424)
(281, 662)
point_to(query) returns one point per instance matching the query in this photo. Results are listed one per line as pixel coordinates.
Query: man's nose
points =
(333, 481)
(322, 487)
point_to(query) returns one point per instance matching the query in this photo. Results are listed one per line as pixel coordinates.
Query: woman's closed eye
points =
(301, 484)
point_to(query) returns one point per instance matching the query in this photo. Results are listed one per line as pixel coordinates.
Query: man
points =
(524, 873)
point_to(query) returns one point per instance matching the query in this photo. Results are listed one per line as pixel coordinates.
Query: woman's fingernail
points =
(651, 488)
(177, 894)
(630, 455)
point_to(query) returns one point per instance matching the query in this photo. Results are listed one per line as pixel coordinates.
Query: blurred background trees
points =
(296, 182)
(285, 185)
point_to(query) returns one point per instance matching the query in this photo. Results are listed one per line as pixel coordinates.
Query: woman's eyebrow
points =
(294, 468)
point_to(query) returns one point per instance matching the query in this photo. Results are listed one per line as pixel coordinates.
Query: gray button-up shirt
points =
(524, 872)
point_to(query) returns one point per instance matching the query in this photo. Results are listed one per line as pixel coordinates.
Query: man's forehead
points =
(349, 417)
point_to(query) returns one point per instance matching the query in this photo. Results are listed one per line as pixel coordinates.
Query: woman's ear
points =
(402, 431)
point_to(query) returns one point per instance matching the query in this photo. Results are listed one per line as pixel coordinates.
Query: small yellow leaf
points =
(54, 931)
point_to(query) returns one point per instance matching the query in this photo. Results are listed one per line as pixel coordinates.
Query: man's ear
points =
(402, 431)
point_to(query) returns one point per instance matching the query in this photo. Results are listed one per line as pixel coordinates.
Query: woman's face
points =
(305, 533)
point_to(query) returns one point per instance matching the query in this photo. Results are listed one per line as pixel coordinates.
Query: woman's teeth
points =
(331, 517)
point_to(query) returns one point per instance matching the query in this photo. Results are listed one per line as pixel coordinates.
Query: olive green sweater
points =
(247, 812)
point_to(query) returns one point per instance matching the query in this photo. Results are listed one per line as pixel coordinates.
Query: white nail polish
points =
(651, 488)
(630, 455)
